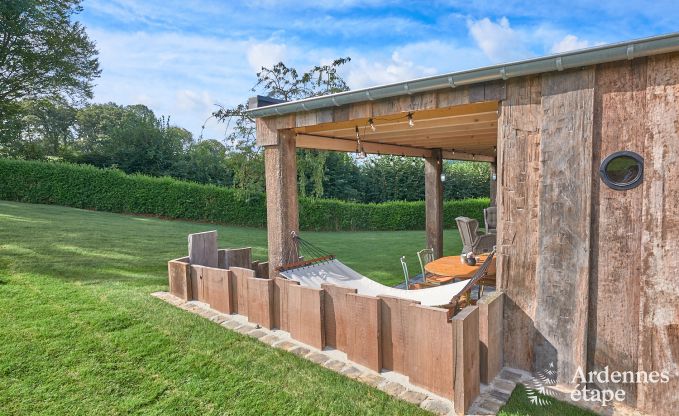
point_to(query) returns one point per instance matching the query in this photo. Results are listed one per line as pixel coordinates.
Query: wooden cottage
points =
(586, 149)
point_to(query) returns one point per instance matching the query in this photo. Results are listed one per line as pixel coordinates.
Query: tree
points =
(44, 52)
(131, 138)
(284, 83)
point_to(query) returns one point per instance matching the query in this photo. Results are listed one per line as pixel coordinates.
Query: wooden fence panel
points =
(335, 315)
(180, 279)
(490, 335)
(217, 289)
(197, 287)
(280, 303)
(363, 332)
(395, 327)
(239, 289)
(466, 364)
(260, 301)
(235, 257)
(431, 350)
(305, 315)
(203, 249)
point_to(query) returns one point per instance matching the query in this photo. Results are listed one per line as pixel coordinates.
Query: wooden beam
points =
(307, 141)
(280, 164)
(493, 184)
(450, 155)
(433, 196)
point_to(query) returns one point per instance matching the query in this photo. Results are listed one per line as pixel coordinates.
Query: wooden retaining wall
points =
(446, 357)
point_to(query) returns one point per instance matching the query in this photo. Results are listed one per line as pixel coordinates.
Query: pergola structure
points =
(458, 125)
(588, 266)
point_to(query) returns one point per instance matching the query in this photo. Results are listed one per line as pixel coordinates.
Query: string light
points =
(411, 123)
(372, 125)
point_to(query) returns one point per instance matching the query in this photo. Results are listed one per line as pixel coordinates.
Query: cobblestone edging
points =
(489, 402)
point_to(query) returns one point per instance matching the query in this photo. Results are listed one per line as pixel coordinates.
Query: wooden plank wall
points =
(260, 302)
(518, 200)
(305, 315)
(280, 302)
(620, 123)
(590, 273)
(235, 257)
(239, 289)
(659, 306)
(217, 288)
(564, 221)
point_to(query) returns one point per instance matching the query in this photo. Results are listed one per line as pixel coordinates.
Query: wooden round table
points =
(450, 267)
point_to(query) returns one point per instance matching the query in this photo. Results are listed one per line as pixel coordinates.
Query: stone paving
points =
(489, 402)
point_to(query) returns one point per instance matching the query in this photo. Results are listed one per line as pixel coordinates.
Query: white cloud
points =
(498, 40)
(266, 54)
(569, 43)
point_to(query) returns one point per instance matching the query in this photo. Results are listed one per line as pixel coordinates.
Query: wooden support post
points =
(282, 216)
(493, 184)
(433, 195)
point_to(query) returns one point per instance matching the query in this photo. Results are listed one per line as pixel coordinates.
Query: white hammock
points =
(337, 273)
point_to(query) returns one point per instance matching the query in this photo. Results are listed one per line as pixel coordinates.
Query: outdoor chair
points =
(404, 266)
(490, 218)
(472, 239)
(426, 256)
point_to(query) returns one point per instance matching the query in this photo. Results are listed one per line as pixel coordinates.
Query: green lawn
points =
(79, 333)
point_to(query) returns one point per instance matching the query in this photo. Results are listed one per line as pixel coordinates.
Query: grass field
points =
(79, 333)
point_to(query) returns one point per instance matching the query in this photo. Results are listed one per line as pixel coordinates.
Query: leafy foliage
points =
(84, 186)
(44, 52)
(284, 83)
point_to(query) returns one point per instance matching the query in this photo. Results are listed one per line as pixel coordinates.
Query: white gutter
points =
(558, 62)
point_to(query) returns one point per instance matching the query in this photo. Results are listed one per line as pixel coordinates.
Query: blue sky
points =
(181, 58)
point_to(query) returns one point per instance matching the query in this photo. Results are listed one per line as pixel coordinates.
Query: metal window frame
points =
(617, 185)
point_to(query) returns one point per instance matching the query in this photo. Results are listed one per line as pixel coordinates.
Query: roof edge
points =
(558, 62)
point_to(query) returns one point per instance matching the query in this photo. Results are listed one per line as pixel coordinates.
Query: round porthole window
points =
(622, 170)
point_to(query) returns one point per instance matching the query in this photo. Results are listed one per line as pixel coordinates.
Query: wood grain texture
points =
(433, 196)
(217, 289)
(395, 328)
(282, 210)
(305, 315)
(518, 201)
(620, 123)
(466, 364)
(179, 274)
(235, 257)
(197, 286)
(260, 302)
(564, 221)
(280, 302)
(203, 249)
(659, 307)
(490, 336)
(431, 350)
(239, 289)
(363, 332)
(336, 316)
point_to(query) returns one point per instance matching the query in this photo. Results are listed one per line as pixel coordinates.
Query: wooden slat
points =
(280, 302)
(363, 332)
(565, 206)
(179, 274)
(217, 288)
(619, 123)
(490, 336)
(466, 337)
(431, 350)
(336, 315)
(203, 249)
(659, 309)
(395, 333)
(260, 302)
(518, 201)
(322, 143)
(239, 289)
(235, 257)
(305, 315)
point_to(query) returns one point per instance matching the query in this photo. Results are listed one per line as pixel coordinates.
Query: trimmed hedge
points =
(84, 186)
